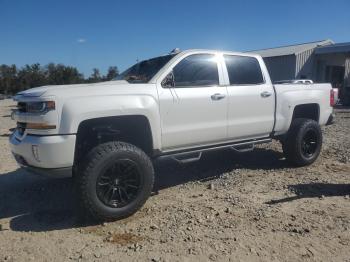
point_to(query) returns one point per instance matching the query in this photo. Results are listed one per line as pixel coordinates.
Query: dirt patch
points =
(123, 239)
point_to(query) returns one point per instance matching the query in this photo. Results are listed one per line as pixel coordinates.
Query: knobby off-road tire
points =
(303, 142)
(115, 181)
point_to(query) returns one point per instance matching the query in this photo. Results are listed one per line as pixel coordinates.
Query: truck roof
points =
(212, 51)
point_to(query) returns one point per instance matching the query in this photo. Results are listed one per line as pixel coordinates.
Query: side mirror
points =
(168, 81)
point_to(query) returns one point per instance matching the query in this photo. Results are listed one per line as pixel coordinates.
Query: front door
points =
(194, 110)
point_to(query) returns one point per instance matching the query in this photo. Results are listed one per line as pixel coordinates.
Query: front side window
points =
(243, 70)
(196, 70)
(143, 71)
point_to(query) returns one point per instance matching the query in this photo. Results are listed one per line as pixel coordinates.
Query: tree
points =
(95, 76)
(31, 76)
(112, 73)
(61, 75)
(8, 78)
(13, 79)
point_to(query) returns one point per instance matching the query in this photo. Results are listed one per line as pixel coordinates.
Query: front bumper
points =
(50, 155)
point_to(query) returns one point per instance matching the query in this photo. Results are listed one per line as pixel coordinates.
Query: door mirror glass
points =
(168, 81)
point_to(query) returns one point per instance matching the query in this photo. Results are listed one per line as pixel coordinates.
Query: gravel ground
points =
(226, 207)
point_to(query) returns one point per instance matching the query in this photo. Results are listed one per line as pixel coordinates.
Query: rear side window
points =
(196, 70)
(243, 70)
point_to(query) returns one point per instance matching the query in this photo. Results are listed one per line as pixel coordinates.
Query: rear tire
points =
(303, 142)
(115, 181)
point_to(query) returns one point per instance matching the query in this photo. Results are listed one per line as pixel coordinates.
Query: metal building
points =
(321, 61)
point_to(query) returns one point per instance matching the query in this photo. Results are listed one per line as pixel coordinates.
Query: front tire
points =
(115, 181)
(303, 142)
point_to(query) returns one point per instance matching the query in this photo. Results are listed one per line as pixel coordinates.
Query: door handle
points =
(266, 94)
(217, 96)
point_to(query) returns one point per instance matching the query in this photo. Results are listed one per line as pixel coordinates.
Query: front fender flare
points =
(75, 111)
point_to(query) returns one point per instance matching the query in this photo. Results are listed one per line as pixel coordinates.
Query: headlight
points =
(40, 107)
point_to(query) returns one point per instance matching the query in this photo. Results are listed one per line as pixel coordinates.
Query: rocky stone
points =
(4, 227)
(211, 186)
(153, 227)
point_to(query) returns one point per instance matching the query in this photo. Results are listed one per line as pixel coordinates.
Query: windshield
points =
(143, 71)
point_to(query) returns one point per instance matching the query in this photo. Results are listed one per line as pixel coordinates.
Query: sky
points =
(103, 33)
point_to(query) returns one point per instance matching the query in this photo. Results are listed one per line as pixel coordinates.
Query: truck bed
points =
(289, 95)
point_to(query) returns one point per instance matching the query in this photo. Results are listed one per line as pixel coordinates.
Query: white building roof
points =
(291, 49)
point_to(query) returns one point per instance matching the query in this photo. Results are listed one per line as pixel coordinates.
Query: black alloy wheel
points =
(119, 184)
(309, 143)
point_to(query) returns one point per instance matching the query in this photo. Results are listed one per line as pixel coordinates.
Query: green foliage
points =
(8, 78)
(112, 73)
(95, 76)
(62, 75)
(13, 79)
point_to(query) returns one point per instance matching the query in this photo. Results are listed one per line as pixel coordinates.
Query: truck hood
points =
(55, 90)
(108, 88)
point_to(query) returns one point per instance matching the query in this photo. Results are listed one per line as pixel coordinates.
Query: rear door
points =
(194, 110)
(251, 98)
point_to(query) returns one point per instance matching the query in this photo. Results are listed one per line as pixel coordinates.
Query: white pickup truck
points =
(178, 106)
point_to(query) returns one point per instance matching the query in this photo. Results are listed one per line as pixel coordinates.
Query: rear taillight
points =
(332, 98)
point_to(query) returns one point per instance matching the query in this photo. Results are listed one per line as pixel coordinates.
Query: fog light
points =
(39, 126)
(35, 151)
